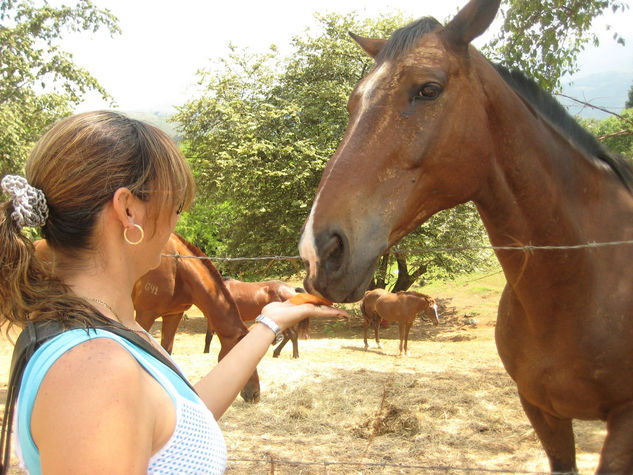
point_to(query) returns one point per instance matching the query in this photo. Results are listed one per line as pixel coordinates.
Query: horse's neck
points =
(542, 191)
(207, 291)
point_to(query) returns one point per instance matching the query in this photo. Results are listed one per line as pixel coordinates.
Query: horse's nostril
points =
(333, 253)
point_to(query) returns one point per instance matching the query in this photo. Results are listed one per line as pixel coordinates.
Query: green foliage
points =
(457, 232)
(616, 132)
(543, 37)
(261, 133)
(629, 102)
(39, 83)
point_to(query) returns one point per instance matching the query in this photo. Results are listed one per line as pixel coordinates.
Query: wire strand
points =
(529, 248)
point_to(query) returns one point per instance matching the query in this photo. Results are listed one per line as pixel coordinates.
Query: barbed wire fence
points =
(418, 251)
(280, 465)
(274, 465)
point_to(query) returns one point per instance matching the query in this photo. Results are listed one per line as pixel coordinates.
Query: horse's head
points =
(431, 311)
(416, 143)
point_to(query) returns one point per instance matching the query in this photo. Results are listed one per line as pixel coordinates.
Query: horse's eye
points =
(429, 91)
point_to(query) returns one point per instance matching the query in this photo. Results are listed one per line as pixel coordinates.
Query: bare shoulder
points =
(96, 372)
(94, 362)
(93, 402)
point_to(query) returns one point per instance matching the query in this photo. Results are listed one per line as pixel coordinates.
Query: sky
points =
(152, 65)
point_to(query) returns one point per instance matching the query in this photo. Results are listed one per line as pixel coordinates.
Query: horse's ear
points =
(372, 46)
(471, 21)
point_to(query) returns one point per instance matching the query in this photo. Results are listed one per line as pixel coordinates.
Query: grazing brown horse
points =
(401, 307)
(435, 124)
(177, 284)
(251, 297)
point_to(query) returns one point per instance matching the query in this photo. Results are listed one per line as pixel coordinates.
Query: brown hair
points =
(79, 164)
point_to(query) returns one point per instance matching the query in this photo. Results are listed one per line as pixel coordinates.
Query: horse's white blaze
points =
(366, 90)
(307, 246)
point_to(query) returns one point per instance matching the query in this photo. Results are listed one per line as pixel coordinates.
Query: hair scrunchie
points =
(29, 203)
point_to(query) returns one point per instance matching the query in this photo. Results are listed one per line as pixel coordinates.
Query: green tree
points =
(262, 132)
(629, 102)
(240, 156)
(265, 126)
(616, 132)
(39, 83)
(543, 37)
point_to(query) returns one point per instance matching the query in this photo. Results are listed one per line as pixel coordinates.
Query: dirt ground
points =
(449, 407)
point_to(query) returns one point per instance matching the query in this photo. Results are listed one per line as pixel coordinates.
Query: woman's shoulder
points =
(95, 391)
(101, 364)
(94, 379)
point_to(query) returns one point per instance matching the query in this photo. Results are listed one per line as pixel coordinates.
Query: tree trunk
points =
(406, 280)
(380, 276)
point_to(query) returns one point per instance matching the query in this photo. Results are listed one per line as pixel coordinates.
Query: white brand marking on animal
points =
(151, 288)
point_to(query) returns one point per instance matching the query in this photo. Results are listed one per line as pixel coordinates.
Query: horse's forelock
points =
(403, 39)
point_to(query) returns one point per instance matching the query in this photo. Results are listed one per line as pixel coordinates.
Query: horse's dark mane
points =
(403, 39)
(556, 114)
(198, 253)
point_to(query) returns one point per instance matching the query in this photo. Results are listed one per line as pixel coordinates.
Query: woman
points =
(107, 191)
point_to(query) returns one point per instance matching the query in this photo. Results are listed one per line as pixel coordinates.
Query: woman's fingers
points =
(286, 314)
(304, 297)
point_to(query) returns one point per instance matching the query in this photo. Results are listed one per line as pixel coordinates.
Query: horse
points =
(370, 317)
(401, 307)
(251, 297)
(434, 124)
(177, 284)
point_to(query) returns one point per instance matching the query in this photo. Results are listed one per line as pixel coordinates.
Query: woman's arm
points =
(220, 387)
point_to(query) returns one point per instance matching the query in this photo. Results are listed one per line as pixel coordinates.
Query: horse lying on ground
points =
(176, 285)
(251, 297)
(401, 307)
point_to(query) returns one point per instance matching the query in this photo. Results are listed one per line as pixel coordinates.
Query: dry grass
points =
(450, 407)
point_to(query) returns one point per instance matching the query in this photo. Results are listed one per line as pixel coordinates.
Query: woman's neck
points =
(106, 284)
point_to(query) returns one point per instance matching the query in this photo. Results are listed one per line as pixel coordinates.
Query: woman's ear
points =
(126, 207)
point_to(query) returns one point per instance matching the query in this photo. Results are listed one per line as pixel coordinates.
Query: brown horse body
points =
(176, 285)
(370, 317)
(401, 307)
(251, 297)
(434, 124)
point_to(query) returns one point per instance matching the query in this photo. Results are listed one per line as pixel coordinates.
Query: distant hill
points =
(608, 90)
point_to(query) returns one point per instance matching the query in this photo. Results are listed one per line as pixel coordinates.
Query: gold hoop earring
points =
(134, 243)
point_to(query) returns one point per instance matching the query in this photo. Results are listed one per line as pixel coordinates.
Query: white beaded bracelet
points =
(269, 322)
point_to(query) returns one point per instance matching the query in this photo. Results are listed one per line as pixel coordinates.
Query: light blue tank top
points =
(196, 446)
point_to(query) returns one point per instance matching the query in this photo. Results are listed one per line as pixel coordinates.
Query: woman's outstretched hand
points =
(286, 314)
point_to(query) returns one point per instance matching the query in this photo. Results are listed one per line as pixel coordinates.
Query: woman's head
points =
(79, 165)
(82, 160)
